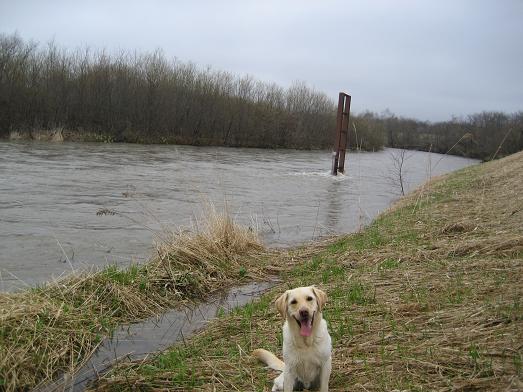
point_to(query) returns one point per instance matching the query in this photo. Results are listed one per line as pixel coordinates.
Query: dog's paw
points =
(278, 384)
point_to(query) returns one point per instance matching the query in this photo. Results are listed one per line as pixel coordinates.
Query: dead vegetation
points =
(426, 298)
(50, 330)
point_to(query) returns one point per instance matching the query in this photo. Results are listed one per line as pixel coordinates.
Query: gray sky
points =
(424, 59)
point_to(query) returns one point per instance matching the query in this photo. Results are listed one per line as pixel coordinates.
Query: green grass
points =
(389, 264)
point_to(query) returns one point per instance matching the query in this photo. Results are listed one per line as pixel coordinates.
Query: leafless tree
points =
(397, 172)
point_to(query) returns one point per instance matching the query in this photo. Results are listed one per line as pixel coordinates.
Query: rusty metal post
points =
(342, 134)
(345, 133)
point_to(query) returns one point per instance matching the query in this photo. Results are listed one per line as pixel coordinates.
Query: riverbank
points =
(49, 331)
(428, 297)
(57, 135)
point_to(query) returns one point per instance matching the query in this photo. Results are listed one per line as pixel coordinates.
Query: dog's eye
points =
(309, 298)
(294, 302)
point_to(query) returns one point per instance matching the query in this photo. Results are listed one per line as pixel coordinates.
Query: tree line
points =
(147, 98)
(484, 135)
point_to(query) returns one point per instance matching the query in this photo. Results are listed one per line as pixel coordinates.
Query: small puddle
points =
(135, 341)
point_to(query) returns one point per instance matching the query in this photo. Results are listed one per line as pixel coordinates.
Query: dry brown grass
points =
(214, 253)
(426, 298)
(50, 330)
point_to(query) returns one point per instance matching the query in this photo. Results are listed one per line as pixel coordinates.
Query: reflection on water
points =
(333, 205)
(50, 195)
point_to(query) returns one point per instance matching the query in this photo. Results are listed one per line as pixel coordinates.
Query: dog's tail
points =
(269, 359)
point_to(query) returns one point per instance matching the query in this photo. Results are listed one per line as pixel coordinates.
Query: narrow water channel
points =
(135, 341)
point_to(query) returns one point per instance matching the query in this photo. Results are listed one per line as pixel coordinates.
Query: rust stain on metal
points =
(342, 134)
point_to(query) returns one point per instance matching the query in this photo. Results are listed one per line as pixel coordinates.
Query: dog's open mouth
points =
(305, 324)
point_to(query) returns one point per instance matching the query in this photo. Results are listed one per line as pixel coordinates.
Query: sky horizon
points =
(420, 59)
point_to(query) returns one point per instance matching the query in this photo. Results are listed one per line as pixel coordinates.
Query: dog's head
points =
(302, 307)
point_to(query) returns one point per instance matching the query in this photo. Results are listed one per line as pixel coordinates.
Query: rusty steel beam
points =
(342, 134)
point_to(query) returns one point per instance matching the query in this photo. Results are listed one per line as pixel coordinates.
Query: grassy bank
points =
(426, 298)
(51, 330)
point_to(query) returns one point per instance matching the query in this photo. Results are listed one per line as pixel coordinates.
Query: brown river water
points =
(50, 194)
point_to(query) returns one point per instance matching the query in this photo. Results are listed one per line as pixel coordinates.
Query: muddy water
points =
(51, 196)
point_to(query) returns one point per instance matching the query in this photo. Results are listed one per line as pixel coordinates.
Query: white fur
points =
(305, 358)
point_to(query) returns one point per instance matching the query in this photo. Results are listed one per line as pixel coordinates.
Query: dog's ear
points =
(281, 304)
(320, 296)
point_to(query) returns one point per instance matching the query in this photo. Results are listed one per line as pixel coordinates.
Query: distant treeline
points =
(149, 99)
(483, 135)
(146, 98)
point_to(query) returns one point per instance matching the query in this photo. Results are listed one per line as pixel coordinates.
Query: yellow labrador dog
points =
(306, 342)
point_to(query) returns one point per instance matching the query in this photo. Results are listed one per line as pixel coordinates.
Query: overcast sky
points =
(424, 59)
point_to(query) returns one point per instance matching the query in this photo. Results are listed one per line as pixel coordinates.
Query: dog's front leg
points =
(288, 380)
(325, 374)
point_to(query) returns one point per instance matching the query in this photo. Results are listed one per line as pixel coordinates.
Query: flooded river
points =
(52, 196)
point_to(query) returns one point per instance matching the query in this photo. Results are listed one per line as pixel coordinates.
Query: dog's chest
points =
(305, 364)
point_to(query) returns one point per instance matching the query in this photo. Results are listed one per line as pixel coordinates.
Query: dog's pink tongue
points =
(306, 328)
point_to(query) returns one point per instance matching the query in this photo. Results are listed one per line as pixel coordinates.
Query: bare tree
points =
(397, 172)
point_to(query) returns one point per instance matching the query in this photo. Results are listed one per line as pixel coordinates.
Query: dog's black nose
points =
(304, 313)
